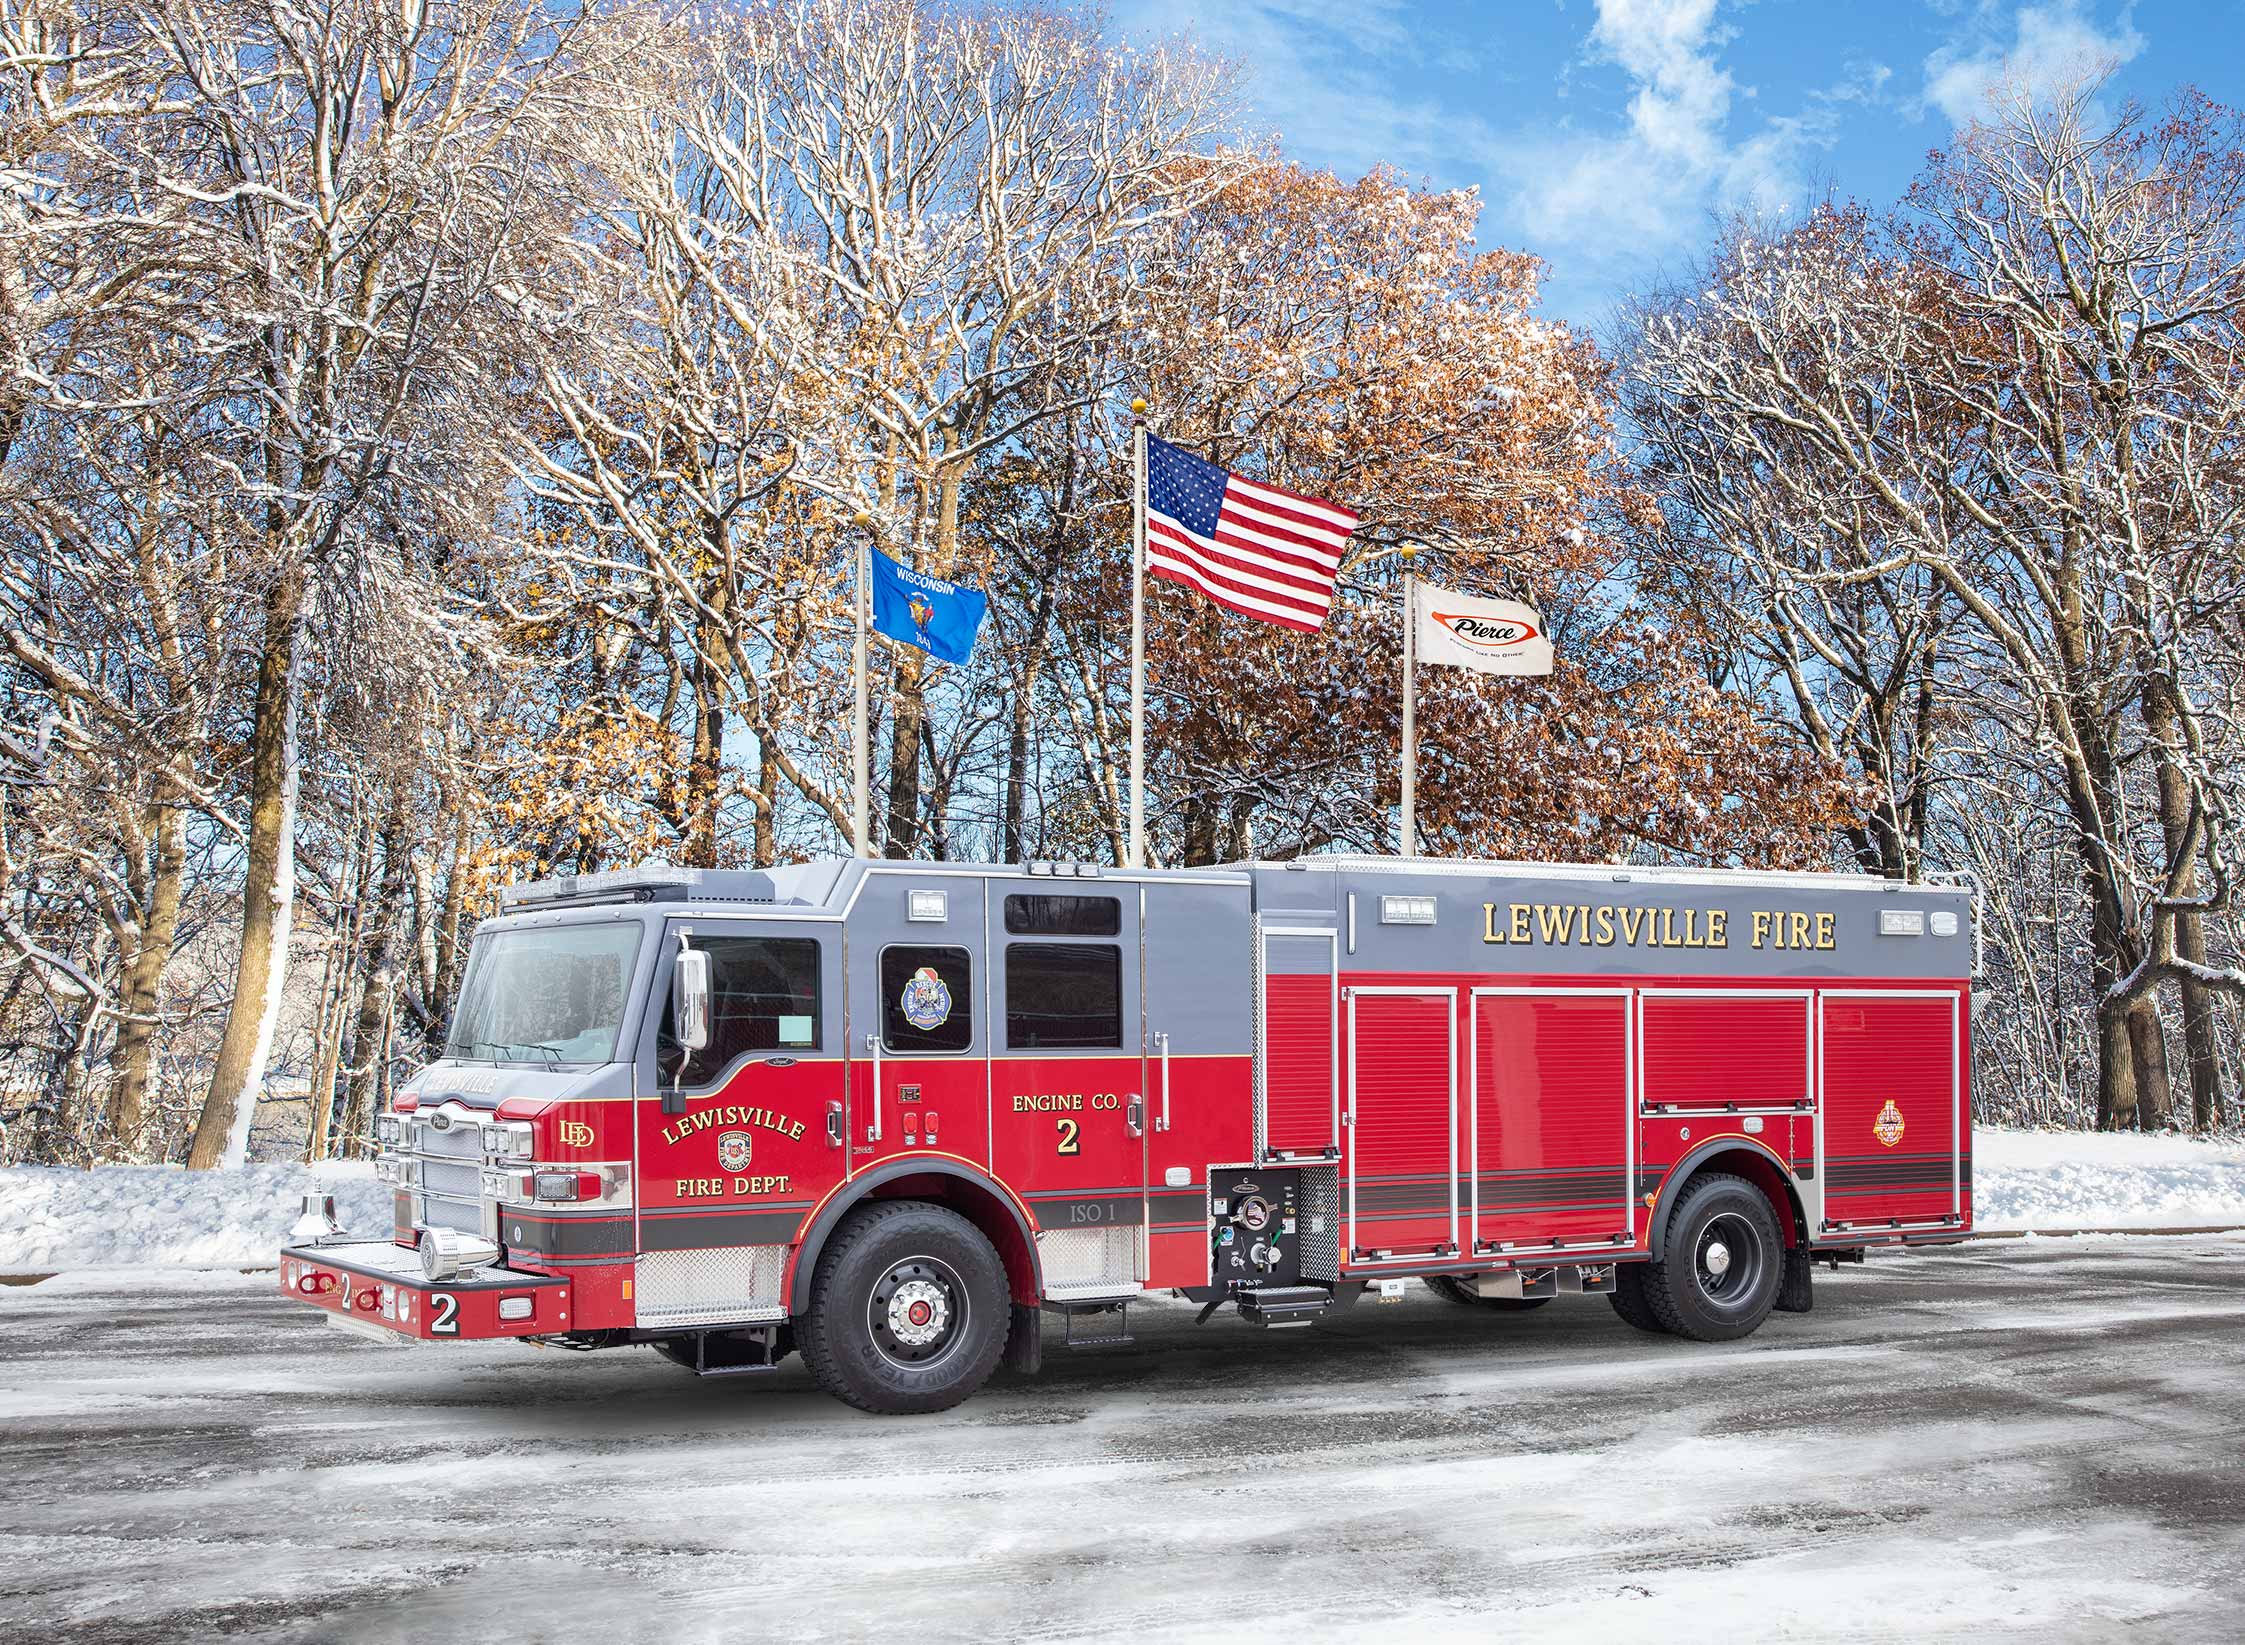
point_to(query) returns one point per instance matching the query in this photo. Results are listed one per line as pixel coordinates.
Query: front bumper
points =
(375, 1282)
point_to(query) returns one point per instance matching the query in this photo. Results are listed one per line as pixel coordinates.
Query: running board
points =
(1111, 1339)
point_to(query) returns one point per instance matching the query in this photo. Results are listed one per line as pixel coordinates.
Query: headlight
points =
(389, 1130)
(509, 1139)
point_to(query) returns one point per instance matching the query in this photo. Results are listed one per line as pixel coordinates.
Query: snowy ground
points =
(2010, 1442)
(127, 1215)
(2083, 1179)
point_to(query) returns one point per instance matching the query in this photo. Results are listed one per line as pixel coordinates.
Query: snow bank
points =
(131, 1215)
(2088, 1179)
(119, 1216)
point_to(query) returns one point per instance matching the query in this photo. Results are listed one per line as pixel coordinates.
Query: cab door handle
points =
(873, 1126)
(1134, 1115)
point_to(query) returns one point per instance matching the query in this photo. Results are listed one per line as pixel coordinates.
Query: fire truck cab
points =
(891, 1114)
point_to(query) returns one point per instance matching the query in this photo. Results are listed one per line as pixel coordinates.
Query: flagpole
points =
(860, 799)
(1137, 857)
(1410, 702)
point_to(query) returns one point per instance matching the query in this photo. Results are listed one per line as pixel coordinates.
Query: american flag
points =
(1258, 550)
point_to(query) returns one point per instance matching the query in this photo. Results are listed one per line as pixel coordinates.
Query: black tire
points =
(1453, 1289)
(1718, 1273)
(892, 1271)
(724, 1349)
(1628, 1298)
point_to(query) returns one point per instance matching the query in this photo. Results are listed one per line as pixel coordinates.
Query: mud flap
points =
(1025, 1341)
(1793, 1294)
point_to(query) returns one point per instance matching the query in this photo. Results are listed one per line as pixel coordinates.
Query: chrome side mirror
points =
(689, 999)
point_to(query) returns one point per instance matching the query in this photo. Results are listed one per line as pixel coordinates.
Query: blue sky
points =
(1605, 135)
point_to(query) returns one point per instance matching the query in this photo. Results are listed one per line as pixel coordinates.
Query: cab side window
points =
(764, 996)
(1063, 995)
(927, 998)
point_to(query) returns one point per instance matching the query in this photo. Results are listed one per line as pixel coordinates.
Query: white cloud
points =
(2050, 45)
(1616, 196)
(1325, 73)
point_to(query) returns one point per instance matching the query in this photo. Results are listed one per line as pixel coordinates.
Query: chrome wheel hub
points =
(1728, 1262)
(918, 1313)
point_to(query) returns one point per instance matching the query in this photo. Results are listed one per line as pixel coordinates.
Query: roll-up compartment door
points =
(1403, 1099)
(1551, 1115)
(1300, 1061)
(1724, 1049)
(1892, 1091)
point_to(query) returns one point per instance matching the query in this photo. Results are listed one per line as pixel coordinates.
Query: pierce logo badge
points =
(575, 1134)
(1888, 1126)
(926, 1001)
(733, 1151)
(1487, 634)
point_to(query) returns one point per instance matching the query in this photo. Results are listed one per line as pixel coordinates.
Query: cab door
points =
(737, 1141)
(1067, 1074)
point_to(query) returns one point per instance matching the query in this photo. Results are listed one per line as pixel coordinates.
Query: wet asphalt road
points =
(2037, 1441)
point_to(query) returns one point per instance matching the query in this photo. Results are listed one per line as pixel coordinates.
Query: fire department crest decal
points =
(733, 1151)
(927, 1000)
(1888, 1126)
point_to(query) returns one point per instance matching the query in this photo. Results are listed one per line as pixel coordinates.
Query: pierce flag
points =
(1493, 636)
(939, 617)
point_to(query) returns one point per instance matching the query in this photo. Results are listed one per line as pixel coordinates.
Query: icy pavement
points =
(2033, 1440)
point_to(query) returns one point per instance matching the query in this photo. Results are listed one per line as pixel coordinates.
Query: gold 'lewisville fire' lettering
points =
(1604, 925)
(734, 1114)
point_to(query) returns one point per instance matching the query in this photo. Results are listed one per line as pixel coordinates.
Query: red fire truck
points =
(892, 1114)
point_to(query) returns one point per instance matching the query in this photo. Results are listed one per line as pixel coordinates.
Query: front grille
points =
(464, 1215)
(462, 1140)
(452, 1179)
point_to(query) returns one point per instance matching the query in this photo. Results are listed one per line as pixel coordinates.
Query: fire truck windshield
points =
(553, 994)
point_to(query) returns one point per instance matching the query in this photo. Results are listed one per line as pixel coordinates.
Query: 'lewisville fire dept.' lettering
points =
(731, 1114)
(1601, 925)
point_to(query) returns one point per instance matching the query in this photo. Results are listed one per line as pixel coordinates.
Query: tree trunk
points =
(2201, 1046)
(268, 888)
(2147, 1045)
(2116, 1078)
(335, 995)
(705, 769)
(2201, 1034)
(370, 1037)
(901, 827)
(764, 846)
(133, 1059)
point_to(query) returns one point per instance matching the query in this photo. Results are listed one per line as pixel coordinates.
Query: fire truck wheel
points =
(908, 1309)
(1717, 1279)
(1628, 1298)
(1453, 1289)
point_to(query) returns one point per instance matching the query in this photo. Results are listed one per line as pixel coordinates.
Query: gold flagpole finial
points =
(1138, 408)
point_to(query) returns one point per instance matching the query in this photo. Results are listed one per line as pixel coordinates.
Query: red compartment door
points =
(1403, 1097)
(1725, 1049)
(1298, 1108)
(1892, 1095)
(1551, 1115)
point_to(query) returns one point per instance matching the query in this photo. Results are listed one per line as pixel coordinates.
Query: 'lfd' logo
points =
(1888, 1126)
(575, 1134)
